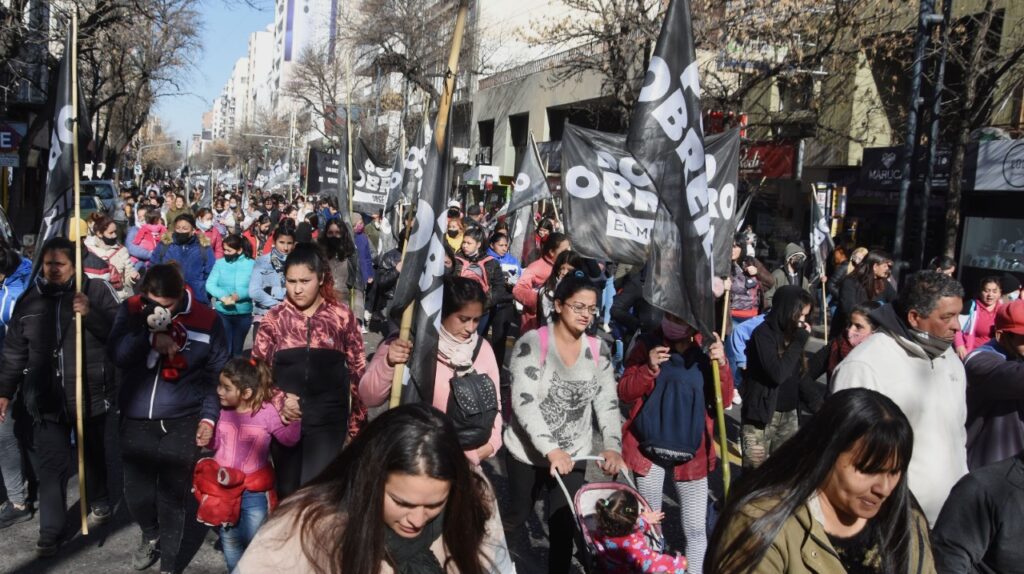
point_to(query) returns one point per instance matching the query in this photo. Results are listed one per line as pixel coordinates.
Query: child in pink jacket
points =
(150, 233)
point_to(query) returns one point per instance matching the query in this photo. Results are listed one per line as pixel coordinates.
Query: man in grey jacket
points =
(995, 391)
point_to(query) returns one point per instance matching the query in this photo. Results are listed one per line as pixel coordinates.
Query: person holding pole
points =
(39, 367)
(672, 356)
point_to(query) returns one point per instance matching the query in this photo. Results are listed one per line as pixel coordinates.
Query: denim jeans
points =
(235, 539)
(11, 457)
(607, 298)
(236, 327)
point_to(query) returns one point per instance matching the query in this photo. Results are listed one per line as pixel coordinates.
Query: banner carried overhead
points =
(325, 176)
(611, 203)
(667, 138)
(370, 182)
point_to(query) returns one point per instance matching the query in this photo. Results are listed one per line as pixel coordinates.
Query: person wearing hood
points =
(790, 272)
(778, 375)
(191, 251)
(39, 366)
(995, 391)
(911, 360)
(105, 259)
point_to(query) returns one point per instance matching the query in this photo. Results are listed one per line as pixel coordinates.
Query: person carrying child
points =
(621, 535)
(235, 488)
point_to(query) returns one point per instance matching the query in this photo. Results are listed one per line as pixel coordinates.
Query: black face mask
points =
(232, 258)
(333, 244)
(453, 233)
(111, 241)
(182, 238)
(797, 265)
(54, 289)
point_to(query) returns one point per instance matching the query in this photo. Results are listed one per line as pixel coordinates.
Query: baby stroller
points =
(584, 514)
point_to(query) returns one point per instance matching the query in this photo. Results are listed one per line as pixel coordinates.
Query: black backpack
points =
(473, 406)
(670, 424)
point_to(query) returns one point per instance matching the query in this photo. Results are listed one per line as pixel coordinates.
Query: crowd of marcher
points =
(226, 337)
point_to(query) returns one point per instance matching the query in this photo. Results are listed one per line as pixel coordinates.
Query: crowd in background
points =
(224, 330)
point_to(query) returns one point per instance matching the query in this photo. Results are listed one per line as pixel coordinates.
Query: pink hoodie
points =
(375, 386)
(149, 235)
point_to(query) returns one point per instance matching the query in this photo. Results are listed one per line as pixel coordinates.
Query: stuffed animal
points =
(160, 320)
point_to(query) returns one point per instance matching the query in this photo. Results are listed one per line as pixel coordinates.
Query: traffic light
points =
(177, 144)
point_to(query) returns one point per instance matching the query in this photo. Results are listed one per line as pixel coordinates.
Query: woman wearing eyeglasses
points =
(561, 378)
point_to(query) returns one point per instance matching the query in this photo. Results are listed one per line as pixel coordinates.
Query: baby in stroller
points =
(622, 538)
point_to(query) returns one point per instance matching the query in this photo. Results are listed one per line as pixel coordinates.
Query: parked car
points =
(104, 190)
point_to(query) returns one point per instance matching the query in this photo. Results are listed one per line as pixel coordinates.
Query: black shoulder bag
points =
(472, 406)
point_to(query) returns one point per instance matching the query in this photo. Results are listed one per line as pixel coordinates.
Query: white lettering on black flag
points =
(610, 203)
(531, 183)
(821, 239)
(371, 182)
(667, 138)
(722, 163)
(325, 176)
(423, 286)
(405, 184)
(58, 203)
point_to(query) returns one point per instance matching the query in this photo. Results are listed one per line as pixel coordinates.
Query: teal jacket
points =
(227, 278)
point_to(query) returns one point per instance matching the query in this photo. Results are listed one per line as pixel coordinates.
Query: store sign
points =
(768, 160)
(11, 134)
(1000, 166)
(883, 168)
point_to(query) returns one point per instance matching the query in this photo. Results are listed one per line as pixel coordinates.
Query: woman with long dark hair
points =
(566, 262)
(562, 382)
(412, 500)
(775, 368)
(869, 281)
(340, 250)
(460, 350)
(312, 342)
(832, 499)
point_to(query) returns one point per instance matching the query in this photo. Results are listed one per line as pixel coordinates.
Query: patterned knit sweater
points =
(554, 405)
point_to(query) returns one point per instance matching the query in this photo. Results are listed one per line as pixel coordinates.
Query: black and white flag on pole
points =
(410, 179)
(667, 137)
(325, 176)
(610, 202)
(422, 285)
(820, 239)
(741, 213)
(531, 183)
(371, 180)
(58, 202)
(722, 164)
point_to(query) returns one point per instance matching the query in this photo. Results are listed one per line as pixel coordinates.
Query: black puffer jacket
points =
(776, 371)
(30, 354)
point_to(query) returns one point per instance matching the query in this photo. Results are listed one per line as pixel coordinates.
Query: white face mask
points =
(1013, 296)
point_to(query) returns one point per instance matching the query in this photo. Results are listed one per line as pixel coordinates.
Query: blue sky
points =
(225, 36)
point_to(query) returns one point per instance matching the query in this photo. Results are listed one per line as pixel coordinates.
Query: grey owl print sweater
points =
(554, 405)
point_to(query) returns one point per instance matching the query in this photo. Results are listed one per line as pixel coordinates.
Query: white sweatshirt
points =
(932, 394)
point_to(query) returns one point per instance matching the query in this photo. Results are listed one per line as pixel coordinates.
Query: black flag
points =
(667, 138)
(531, 183)
(821, 240)
(610, 203)
(58, 203)
(722, 162)
(422, 283)
(741, 213)
(371, 182)
(411, 176)
(325, 176)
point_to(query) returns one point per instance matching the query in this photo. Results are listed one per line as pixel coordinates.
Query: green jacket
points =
(802, 546)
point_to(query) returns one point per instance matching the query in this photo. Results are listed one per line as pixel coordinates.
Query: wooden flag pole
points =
(824, 306)
(723, 442)
(83, 504)
(440, 129)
